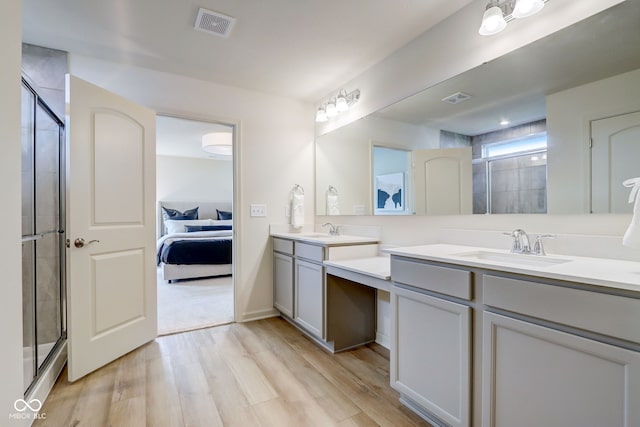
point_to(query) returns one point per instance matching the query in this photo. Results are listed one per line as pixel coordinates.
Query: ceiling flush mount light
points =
(218, 143)
(337, 104)
(499, 12)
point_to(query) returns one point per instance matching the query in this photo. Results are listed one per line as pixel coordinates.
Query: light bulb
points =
(331, 110)
(341, 104)
(524, 8)
(321, 115)
(492, 22)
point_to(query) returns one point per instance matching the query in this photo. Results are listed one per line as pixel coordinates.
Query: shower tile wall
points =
(47, 68)
(518, 185)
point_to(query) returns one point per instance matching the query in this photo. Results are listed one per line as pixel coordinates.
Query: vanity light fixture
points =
(218, 143)
(337, 104)
(499, 12)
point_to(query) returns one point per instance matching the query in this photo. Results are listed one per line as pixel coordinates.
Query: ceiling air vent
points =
(214, 23)
(456, 98)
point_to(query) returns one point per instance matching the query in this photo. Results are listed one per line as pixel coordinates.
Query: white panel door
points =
(535, 376)
(615, 157)
(110, 205)
(443, 180)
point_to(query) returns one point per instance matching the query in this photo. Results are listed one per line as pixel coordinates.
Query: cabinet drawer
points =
(448, 281)
(606, 314)
(310, 252)
(283, 245)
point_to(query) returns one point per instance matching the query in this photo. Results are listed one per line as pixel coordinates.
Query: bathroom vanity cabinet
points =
(558, 354)
(301, 293)
(484, 347)
(431, 339)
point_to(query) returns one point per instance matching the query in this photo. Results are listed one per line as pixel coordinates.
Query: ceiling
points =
(514, 87)
(303, 49)
(183, 138)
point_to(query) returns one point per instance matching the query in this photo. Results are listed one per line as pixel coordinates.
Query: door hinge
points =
(68, 243)
(590, 142)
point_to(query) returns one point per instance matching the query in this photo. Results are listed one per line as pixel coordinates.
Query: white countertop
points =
(326, 239)
(378, 267)
(594, 271)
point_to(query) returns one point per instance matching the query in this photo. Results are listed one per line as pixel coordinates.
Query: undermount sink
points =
(511, 258)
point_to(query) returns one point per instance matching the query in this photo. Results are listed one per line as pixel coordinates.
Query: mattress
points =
(198, 248)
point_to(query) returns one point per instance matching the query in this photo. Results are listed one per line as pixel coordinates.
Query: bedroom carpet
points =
(193, 304)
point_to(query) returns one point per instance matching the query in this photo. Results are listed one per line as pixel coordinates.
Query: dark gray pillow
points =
(177, 215)
(224, 214)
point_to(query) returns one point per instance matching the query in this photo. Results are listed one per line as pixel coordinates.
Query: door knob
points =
(80, 243)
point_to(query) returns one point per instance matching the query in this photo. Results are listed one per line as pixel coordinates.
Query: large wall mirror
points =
(553, 127)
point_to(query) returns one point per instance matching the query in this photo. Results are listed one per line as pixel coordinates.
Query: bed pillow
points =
(222, 222)
(192, 228)
(178, 226)
(174, 214)
(224, 214)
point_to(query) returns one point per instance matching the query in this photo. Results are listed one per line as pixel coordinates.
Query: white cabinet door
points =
(430, 354)
(309, 297)
(283, 283)
(535, 376)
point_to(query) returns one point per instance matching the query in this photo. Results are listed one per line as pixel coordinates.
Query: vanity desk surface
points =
(325, 239)
(609, 273)
(371, 271)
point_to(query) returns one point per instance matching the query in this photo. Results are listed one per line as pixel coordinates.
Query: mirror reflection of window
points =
(510, 175)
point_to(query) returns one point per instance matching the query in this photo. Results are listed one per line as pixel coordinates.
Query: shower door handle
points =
(80, 243)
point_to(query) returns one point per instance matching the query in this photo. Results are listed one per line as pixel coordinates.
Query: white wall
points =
(187, 179)
(274, 152)
(10, 194)
(569, 114)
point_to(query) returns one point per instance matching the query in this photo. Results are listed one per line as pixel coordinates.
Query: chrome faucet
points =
(521, 244)
(334, 230)
(538, 247)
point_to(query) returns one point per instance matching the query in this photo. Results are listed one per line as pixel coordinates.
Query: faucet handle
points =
(515, 245)
(538, 247)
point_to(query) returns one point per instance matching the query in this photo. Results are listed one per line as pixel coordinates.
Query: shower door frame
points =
(40, 368)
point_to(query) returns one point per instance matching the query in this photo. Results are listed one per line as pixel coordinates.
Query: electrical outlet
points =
(258, 210)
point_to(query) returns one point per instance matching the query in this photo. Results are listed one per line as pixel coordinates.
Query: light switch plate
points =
(258, 210)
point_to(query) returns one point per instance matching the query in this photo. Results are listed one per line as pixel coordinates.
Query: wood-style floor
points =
(262, 373)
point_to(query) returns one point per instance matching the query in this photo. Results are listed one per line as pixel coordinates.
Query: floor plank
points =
(262, 373)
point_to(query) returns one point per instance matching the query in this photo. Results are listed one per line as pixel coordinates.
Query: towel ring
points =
(297, 189)
(332, 190)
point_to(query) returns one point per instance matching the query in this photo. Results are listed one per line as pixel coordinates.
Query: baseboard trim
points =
(48, 379)
(383, 340)
(258, 315)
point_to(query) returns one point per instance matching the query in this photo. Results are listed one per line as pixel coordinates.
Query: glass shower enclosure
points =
(43, 284)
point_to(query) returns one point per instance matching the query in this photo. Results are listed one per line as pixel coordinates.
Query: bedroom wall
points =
(185, 179)
(10, 246)
(275, 151)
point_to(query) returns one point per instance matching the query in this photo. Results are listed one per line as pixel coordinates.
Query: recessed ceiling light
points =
(504, 122)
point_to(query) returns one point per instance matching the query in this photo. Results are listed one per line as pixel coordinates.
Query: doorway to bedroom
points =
(194, 194)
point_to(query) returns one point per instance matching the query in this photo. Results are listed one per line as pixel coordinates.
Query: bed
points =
(189, 248)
